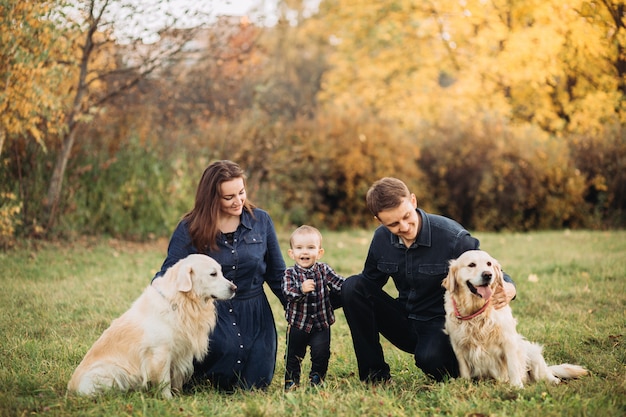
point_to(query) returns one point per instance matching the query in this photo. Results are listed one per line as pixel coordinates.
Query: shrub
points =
(323, 168)
(10, 209)
(600, 159)
(134, 193)
(491, 177)
(24, 172)
(484, 173)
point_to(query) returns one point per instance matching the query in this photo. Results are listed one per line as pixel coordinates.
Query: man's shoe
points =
(290, 386)
(379, 379)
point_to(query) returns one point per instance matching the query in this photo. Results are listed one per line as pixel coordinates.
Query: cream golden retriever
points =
(484, 339)
(154, 343)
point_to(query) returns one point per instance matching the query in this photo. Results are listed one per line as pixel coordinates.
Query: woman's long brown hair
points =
(202, 219)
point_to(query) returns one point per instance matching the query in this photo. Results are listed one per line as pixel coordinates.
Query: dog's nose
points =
(233, 287)
(486, 275)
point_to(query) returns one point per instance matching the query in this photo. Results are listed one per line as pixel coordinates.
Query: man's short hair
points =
(386, 193)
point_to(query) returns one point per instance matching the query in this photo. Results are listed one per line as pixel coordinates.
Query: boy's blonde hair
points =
(303, 230)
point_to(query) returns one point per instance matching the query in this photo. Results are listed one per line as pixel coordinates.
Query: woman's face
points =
(232, 197)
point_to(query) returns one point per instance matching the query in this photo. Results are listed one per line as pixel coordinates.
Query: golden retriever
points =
(484, 339)
(154, 343)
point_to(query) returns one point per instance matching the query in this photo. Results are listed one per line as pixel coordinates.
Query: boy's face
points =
(306, 249)
(403, 220)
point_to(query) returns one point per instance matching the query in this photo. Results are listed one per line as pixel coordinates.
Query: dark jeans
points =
(371, 312)
(297, 341)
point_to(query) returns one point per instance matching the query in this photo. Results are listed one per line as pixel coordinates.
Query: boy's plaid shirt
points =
(312, 310)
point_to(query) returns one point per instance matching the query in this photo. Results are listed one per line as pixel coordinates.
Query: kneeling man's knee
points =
(352, 286)
(436, 357)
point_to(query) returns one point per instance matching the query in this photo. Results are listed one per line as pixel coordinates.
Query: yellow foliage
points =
(547, 63)
(30, 73)
(39, 70)
(10, 209)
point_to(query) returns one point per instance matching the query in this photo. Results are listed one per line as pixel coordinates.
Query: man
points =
(413, 248)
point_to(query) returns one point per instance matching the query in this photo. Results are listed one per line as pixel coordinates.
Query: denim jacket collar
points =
(246, 219)
(424, 237)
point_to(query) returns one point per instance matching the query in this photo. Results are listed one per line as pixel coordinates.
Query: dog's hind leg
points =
(101, 378)
(537, 367)
(94, 382)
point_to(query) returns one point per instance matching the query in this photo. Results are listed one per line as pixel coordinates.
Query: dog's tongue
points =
(484, 291)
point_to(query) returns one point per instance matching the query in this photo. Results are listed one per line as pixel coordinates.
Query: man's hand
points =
(503, 295)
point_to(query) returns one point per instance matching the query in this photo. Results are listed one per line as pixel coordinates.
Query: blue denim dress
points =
(242, 348)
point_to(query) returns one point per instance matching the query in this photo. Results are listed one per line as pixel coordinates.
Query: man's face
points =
(403, 220)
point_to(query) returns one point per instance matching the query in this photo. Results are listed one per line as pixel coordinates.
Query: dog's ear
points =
(183, 280)
(449, 282)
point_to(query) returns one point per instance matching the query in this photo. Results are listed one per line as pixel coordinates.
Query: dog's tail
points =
(568, 371)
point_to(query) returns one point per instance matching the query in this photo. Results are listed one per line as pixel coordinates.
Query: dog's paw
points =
(166, 393)
(554, 380)
(517, 384)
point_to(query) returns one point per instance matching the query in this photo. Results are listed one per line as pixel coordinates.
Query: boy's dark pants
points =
(297, 342)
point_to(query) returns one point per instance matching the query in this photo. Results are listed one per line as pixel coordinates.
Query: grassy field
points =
(56, 299)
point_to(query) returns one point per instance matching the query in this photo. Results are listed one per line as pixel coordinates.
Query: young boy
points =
(307, 286)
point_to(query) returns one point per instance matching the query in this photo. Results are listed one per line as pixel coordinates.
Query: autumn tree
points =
(454, 72)
(104, 69)
(32, 48)
(225, 68)
(556, 64)
(30, 73)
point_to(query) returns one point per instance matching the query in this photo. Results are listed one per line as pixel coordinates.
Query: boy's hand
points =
(308, 285)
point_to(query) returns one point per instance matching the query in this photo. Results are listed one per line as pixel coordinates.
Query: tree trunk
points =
(58, 173)
(3, 136)
(82, 100)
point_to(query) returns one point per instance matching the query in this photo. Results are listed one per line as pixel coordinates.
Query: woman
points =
(226, 226)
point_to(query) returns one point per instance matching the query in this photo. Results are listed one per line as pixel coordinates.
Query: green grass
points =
(56, 299)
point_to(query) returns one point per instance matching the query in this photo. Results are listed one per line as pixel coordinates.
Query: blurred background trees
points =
(502, 115)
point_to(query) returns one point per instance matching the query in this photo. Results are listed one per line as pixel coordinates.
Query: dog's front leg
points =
(157, 372)
(165, 380)
(515, 364)
(464, 364)
(464, 368)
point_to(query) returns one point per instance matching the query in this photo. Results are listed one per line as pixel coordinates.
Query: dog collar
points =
(172, 305)
(458, 315)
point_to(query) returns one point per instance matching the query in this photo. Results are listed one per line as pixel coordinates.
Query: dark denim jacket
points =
(418, 271)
